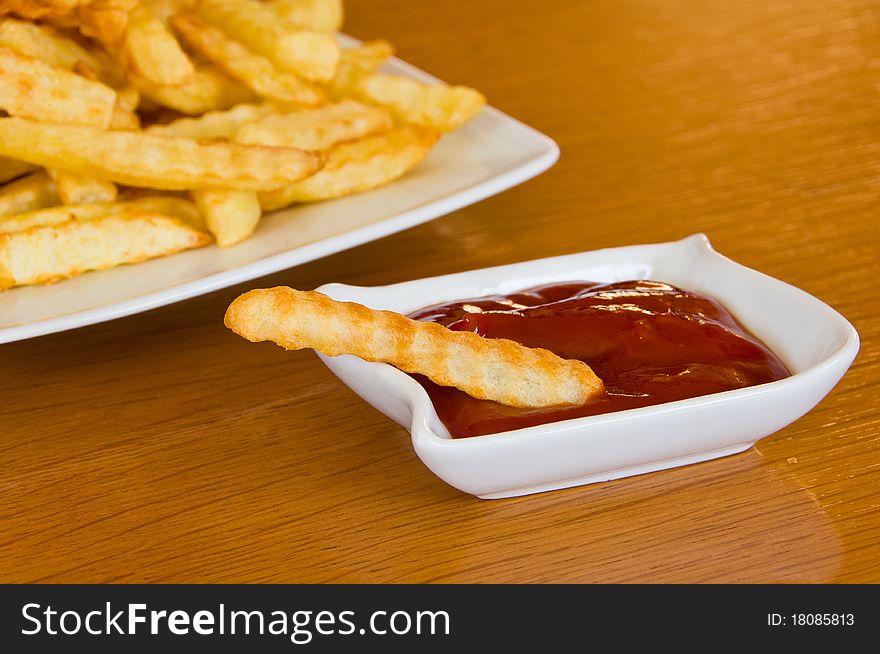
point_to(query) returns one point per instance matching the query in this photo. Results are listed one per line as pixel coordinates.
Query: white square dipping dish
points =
(815, 342)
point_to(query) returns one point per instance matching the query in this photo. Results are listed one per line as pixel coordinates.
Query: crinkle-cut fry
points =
(231, 216)
(32, 89)
(358, 166)
(321, 15)
(153, 51)
(74, 188)
(214, 125)
(48, 253)
(309, 54)
(316, 129)
(356, 63)
(251, 69)
(161, 162)
(500, 370)
(34, 191)
(11, 169)
(46, 44)
(207, 89)
(432, 105)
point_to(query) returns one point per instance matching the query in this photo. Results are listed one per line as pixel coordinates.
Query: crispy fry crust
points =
(357, 166)
(488, 369)
(431, 105)
(321, 15)
(255, 71)
(214, 125)
(153, 50)
(44, 254)
(316, 129)
(162, 162)
(79, 189)
(207, 89)
(33, 89)
(34, 191)
(310, 54)
(231, 216)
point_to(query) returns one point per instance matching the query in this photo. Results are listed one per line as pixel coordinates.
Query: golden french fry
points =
(356, 63)
(46, 44)
(321, 15)
(357, 166)
(33, 89)
(316, 129)
(124, 119)
(162, 162)
(253, 70)
(165, 9)
(74, 188)
(55, 215)
(494, 369)
(214, 125)
(430, 105)
(310, 54)
(170, 205)
(35, 191)
(231, 216)
(207, 89)
(128, 98)
(153, 51)
(48, 253)
(12, 169)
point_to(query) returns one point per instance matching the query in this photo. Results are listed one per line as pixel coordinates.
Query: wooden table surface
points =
(163, 448)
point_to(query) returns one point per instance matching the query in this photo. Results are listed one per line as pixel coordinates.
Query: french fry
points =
(430, 105)
(34, 191)
(310, 54)
(73, 188)
(207, 89)
(12, 169)
(356, 63)
(162, 162)
(176, 207)
(33, 89)
(486, 368)
(316, 129)
(153, 51)
(231, 216)
(214, 125)
(124, 119)
(357, 166)
(165, 9)
(255, 71)
(320, 15)
(46, 44)
(170, 205)
(46, 254)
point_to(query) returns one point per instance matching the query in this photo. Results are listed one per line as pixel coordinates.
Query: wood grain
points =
(162, 447)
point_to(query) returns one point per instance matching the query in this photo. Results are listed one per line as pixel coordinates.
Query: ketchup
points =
(648, 341)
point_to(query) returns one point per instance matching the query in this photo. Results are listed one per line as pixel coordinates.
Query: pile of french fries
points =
(132, 129)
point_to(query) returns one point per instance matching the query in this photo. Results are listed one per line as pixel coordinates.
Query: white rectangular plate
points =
(488, 155)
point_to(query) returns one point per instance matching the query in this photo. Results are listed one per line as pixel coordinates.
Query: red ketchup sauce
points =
(648, 341)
